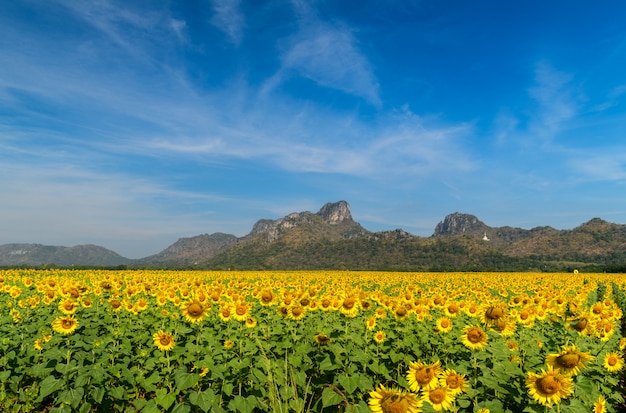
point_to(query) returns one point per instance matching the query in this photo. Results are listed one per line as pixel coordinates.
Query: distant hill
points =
(188, 251)
(331, 239)
(14, 255)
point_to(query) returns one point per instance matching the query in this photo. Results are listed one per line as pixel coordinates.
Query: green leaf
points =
(204, 400)
(349, 383)
(185, 380)
(297, 405)
(327, 364)
(243, 404)
(48, 386)
(181, 408)
(73, 397)
(227, 388)
(463, 402)
(62, 409)
(98, 394)
(165, 399)
(151, 407)
(330, 397)
(118, 393)
(575, 406)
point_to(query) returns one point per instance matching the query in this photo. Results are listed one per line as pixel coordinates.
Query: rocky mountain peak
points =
(459, 223)
(335, 212)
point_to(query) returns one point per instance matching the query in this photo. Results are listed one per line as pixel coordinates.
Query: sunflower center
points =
(569, 360)
(68, 306)
(394, 403)
(524, 315)
(453, 308)
(437, 396)
(296, 311)
(474, 336)
(67, 323)
(194, 310)
(548, 385)
(494, 313)
(116, 303)
(348, 303)
(452, 382)
(580, 325)
(165, 340)
(612, 361)
(267, 296)
(401, 312)
(425, 375)
(445, 323)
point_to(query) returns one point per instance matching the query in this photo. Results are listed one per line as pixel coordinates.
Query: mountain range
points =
(331, 239)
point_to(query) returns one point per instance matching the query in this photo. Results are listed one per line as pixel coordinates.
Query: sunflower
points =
(383, 400)
(580, 324)
(443, 325)
(267, 298)
(474, 338)
(472, 310)
(505, 326)
(65, 324)
(422, 376)
(491, 313)
(228, 344)
(86, 302)
(549, 387)
(163, 341)
(380, 336)
(322, 339)
(613, 361)
(455, 382)
(440, 398)
(370, 323)
(349, 307)
(194, 311)
(452, 309)
(250, 322)
(296, 312)
(569, 361)
(600, 405)
(68, 306)
(115, 304)
(141, 305)
(226, 311)
(242, 311)
(39, 344)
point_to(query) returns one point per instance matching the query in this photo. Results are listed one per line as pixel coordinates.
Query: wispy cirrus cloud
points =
(229, 19)
(556, 99)
(401, 145)
(328, 54)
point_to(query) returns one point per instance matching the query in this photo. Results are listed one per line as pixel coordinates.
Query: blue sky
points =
(130, 124)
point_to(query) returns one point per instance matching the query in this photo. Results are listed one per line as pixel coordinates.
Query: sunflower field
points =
(327, 341)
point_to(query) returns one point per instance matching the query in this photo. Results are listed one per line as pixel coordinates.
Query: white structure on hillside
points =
(485, 237)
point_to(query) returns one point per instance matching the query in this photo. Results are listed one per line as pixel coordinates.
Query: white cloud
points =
(328, 54)
(229, 19)
(604, 164)
(557, 103)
